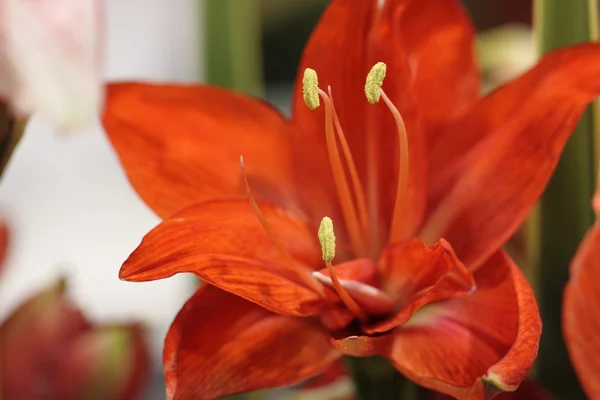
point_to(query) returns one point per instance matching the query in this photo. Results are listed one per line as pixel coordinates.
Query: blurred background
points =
(73, 213)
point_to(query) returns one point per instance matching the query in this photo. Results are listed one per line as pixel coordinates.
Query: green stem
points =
(374, 379)
(565, 211)
(233, 45)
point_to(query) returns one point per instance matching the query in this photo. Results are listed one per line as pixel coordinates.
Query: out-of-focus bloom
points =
(505, 52)
(50, 59)
(581, 309)
(50, 351)
(422, 206)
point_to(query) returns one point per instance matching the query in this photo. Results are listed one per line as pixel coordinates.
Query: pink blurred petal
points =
(50, 59)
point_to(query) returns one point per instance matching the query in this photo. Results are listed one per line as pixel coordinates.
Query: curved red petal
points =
(418, 275)
(182, 144)
(505, 150)
(220, 344)
(581, 321)
(361, 281)
(333, 384)
(476, 345)
(362, 345)
(224, 244)
(349, 39)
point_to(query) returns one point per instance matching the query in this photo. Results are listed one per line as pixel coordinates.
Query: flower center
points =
(359, 298)
(353, 204)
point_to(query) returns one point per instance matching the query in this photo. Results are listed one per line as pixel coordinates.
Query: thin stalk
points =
(564, 208)
(233, 53)
(375, 379)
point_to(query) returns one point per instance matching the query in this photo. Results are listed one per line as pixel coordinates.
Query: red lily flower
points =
(580, 323)
(50, 351)
(421, 278)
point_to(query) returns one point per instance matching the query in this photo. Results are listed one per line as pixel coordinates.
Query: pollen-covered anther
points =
(374, 81)
(310, 89)
(327, 239)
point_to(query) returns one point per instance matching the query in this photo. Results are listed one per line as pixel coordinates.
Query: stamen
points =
(374, 92)
(327, 240)
(359, 194)
(303, 273)
(339, 175)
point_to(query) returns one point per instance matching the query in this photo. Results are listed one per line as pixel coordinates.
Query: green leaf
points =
(565, 211)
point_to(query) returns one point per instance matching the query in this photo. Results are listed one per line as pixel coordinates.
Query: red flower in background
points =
(412, 241)
(581, 309)
(50, 351)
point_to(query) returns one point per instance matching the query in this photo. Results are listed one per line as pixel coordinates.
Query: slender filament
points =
(303, 273)
(359, 194)
(403, 165)
(348, 301)
(372, 181)
(341, 183)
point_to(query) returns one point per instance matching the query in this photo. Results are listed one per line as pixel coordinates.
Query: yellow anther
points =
(374, 81)
(310, 88)
(327, 239)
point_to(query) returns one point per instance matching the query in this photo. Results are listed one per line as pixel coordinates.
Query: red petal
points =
(441, 37)
(477, 344)
(336, 319)
(182, 144)
(4, 241)
(515, 137)
(220, 344)
(348, 342)
(335, 371)
(360, 279)
(581, 318)
(418, 275)
(224, 244)
(33, 341)
(333, 384)
(349, 39)
(528, 390)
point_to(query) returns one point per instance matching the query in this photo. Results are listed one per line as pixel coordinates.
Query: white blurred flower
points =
(50, 59)
(504, 53)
